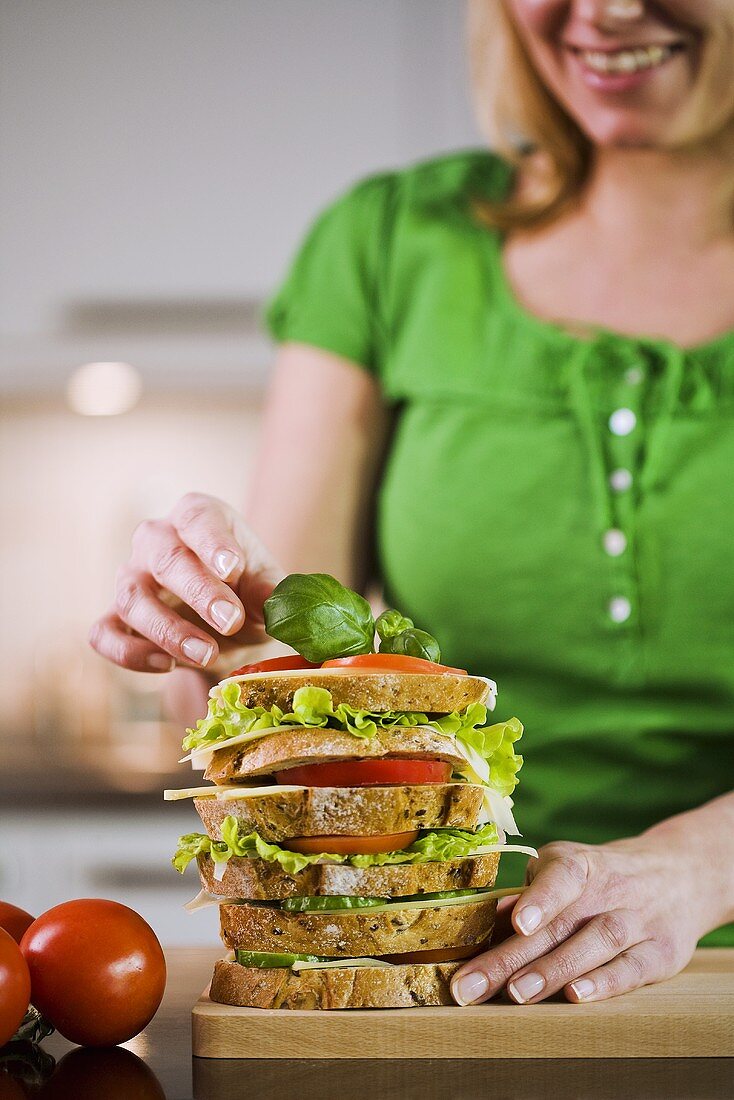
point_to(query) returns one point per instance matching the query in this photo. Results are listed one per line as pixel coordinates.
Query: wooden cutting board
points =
(689, 1016)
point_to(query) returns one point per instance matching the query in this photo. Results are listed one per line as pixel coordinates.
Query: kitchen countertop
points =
(158, 1064)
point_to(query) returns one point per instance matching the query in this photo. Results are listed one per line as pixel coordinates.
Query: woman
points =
(555, 334)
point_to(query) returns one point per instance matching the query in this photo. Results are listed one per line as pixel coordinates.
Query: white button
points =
(620, 609)
(615, 542)
(622, 421)
(633, 376)
(620, 480)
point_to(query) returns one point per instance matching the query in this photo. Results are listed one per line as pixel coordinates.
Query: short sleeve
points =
(331, 296)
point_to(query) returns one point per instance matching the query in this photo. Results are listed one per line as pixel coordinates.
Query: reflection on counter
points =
(505, 1078)
(27, 1070)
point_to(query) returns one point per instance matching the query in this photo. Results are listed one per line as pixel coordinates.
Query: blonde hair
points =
(516, 112)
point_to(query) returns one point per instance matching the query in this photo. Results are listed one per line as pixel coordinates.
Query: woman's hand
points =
(596, 921)
(201, 559)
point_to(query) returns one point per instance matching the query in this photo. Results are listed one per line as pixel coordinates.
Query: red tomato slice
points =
(275, 664)
(391, 662)
(350, 845)
(438, 955)
(14, 920)
(385, 772)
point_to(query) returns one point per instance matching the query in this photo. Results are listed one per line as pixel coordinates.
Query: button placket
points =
(623, 445)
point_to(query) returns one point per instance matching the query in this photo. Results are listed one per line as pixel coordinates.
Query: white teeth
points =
(625, 61)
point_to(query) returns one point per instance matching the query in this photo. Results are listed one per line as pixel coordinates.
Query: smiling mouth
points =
(626, 61)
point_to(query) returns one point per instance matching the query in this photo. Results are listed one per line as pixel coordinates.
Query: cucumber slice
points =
(334, 902)
(328, 901)
(267, 960)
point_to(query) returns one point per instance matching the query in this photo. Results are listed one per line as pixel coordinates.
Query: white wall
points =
(72, 489)
(49, 856)
(176, 149)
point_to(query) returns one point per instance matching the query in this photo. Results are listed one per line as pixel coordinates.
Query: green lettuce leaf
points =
(433, 847)
(496, 745)
(227, 716)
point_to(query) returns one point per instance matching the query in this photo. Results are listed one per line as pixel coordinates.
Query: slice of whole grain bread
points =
(404, 986)
(346, 811)
(352, 933)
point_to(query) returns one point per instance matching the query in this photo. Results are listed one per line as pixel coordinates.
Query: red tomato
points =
(391, 662)
(275, 664)
(438, 955)
(350, 845)
(97, 971)
(386, 772)
(15, 987)
(14, 920)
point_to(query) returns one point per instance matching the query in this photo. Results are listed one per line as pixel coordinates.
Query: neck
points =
(646, 192)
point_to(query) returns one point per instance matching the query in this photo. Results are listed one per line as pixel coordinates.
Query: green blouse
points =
(557, 510)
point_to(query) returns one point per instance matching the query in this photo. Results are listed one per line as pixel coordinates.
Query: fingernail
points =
(526, 987)
(583, 988)
(197, 651)
(225, 563)
(161, 662)
(528, 918)
(225, 614)
(470, 988)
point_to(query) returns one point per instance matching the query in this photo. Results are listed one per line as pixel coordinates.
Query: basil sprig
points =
(322, 619)
(400, 635)
(390, 624)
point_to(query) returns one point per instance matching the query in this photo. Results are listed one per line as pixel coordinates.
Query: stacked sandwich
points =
(358, 810)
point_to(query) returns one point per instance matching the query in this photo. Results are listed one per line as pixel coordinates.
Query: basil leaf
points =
(391, 623)
(319, 617)
(413, 643)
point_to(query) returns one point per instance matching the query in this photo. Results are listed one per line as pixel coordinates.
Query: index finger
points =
(559, 878)
(218, 536)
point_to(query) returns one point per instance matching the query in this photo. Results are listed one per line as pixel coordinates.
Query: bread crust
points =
(431, 693)
(303, 745)
(408, 985)
(353, 933)
(346, 811)
(262, 881)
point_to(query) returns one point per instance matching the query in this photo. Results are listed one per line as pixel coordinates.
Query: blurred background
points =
(160, 162)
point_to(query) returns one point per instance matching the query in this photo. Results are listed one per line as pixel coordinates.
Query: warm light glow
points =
(104, 389)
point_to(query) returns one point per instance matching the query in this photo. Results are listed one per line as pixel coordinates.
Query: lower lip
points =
(613, 83)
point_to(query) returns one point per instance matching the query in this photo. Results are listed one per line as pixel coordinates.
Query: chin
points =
(624, 133)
